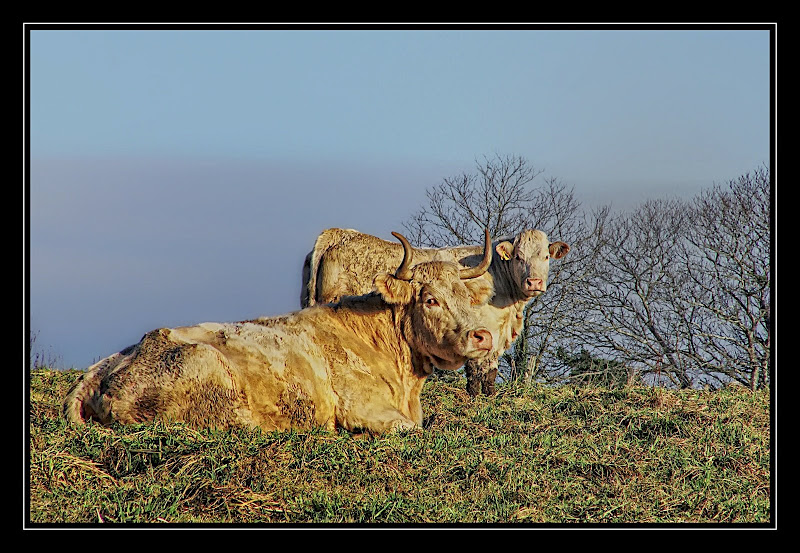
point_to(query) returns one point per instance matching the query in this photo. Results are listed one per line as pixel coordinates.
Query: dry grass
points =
(542, 456)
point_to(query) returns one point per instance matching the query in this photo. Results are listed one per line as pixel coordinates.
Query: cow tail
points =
(78, 403)
(313, 261)
(308, 289)
(73, 404)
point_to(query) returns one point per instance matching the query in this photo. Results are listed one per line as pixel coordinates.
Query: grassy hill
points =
(538, 455)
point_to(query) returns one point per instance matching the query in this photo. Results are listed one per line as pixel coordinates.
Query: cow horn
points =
(481, 268)
(403, 272)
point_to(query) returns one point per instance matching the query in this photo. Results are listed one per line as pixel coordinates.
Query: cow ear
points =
(505, 250)
(558, 250)
(394, 290)
(480, 289)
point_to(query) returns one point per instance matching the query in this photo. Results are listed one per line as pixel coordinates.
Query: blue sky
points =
(180, 176)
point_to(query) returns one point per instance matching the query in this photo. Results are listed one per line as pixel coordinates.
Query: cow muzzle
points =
(480, 340)
(534, 286)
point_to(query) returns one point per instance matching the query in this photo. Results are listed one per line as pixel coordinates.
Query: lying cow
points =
(358, 364)
(344, 262)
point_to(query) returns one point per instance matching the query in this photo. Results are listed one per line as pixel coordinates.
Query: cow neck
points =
(506, 291)
(380, 324)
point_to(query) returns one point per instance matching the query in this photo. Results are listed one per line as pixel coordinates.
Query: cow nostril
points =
(481, 339)
(535, 283)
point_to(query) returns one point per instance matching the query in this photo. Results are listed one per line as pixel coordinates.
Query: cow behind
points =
(358, 364)
(344, 261)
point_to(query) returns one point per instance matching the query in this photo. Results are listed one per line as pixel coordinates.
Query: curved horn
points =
(403, 272)
(484, 264)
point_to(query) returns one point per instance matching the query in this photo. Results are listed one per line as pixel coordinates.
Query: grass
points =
(525, 456)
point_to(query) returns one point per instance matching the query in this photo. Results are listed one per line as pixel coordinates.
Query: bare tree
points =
(631, 297)
(681, 290)
(499, 196)
(504, 195)
(728, 264)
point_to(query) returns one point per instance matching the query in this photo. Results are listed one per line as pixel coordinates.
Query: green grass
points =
(538, 455)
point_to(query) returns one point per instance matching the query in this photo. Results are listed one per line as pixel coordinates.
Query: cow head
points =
(528, 260)
(441, 302)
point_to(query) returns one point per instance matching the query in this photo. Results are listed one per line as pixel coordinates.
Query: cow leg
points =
(473, 373)
(376, 420)
(389, 421)
(488, 381)
(481, 375)
(488, 372)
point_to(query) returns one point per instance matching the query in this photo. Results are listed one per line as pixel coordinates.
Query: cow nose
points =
(535, 284)
(481, 339)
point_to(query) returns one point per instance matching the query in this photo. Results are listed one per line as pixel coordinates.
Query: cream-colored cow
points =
(358, 364)
(344, 262)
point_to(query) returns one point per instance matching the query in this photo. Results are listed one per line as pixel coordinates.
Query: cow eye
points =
(431, 301)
